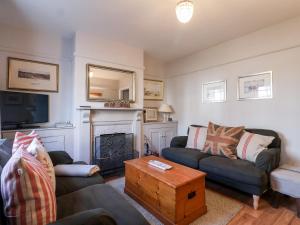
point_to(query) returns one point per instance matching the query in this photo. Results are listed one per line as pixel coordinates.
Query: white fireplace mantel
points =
(93, 121)
(109, 109)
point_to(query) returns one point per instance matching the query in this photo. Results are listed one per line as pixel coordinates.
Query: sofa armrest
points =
(89, 217)
(179, 142)
(60, 157)
(268, 159)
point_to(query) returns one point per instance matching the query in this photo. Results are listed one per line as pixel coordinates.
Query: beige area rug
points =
(220, 209)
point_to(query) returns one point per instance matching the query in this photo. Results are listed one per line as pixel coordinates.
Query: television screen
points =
(23, 108)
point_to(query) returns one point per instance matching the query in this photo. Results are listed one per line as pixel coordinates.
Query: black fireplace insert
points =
(111, 150)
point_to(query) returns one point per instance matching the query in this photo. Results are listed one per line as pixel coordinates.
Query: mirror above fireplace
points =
(106, 84)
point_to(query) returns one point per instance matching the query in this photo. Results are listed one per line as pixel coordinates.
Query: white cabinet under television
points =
(54, 139)
(159, 134)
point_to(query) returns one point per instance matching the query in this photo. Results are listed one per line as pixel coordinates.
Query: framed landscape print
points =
(255, 86)
(153, 90)
(214, 91)
(31, 75)
(151, 114)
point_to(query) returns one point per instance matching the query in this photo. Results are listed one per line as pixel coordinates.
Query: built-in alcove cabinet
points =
(54, 139)
(159, 134)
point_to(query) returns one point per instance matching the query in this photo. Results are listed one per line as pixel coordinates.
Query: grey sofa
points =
(252, 178)
(83, 201)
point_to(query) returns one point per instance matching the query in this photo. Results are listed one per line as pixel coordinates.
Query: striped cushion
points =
(251, 145)
(197, 137)
(26, 191)
(40, 153)
(24, 139)
(222, 140)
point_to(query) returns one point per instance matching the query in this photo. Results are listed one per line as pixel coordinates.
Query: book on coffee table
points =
(159, 165)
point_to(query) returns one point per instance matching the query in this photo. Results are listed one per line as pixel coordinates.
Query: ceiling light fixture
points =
(184, 10)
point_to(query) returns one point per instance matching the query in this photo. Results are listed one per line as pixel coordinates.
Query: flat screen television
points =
(19, 110)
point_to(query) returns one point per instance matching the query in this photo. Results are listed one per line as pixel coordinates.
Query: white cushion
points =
(76, 170)
(251, 145)
(40, 153)
(197, 137)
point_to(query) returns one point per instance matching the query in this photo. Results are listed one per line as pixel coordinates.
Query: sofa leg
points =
(255, 201)
(298, 207)
(275, 199)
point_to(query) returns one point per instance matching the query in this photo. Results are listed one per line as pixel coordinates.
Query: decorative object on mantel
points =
(32, 75)
(166, 110)
(153, 90)
(255, 86)
(106, 83)
(151, 114)
(117, 104)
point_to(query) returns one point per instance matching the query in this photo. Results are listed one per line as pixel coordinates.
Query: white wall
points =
(276, 48)
(154, 70)
(42, 47)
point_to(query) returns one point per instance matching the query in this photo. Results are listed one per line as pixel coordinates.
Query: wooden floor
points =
(265, 215)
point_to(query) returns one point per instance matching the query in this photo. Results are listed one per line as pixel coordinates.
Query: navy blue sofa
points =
(252, 178)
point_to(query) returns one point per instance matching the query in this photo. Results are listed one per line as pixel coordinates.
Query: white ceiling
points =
(150, 24)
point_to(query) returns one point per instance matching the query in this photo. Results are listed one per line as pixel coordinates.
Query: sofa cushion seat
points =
(235, 169)
(66, 185)
(186, 156)
(100, 196)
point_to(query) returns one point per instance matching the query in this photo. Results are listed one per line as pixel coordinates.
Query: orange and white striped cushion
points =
(40, 153)
(28, 196)
(197, 137)
(251, 145)
(24, 139)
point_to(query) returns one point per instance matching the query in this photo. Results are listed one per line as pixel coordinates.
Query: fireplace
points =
(111, 150)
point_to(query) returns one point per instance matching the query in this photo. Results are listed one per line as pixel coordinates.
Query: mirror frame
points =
(88, 66)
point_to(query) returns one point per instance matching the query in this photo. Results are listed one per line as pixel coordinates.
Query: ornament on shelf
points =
(117, 104)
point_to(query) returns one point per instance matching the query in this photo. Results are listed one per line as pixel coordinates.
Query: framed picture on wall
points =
(153, 90)
(214, 91)
(32, 75)
(255, 86)
(151, 114)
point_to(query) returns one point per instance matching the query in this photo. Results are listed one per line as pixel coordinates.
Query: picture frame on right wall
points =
(214, 91)
(255, 86)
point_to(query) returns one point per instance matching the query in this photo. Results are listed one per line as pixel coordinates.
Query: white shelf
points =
(36, 129)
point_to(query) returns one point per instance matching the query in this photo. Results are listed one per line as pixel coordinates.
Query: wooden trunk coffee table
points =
(175, 196)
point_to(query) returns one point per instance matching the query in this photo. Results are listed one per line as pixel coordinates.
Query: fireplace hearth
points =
(111, 150)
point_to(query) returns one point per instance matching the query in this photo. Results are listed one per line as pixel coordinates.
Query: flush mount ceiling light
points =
(184, 10)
